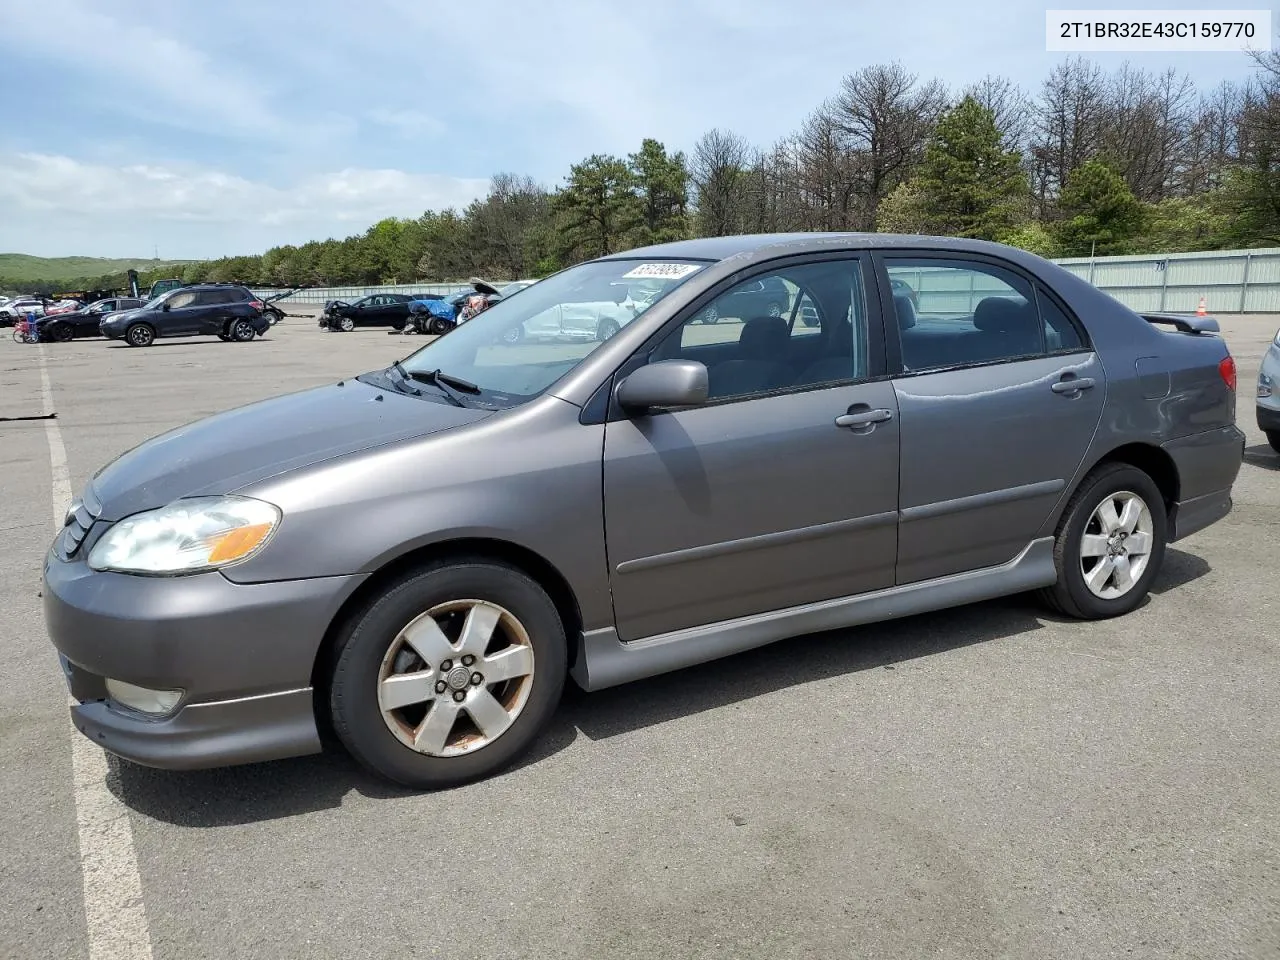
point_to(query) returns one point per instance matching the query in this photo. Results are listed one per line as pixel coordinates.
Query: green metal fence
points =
(1230, 281)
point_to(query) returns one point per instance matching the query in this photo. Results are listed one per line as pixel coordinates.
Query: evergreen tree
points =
(1100, 212)
(971, 185)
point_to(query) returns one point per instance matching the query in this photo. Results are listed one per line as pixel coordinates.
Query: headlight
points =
(76, 504)
(1276, 340)
(187, 536)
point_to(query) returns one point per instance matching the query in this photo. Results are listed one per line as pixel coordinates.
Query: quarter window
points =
(802, 326)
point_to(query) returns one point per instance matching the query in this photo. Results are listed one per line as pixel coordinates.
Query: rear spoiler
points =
(1186, 323)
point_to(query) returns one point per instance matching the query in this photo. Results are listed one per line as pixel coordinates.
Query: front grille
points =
(74, 532)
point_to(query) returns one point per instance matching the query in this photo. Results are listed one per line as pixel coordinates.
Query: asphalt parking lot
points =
(989, 781)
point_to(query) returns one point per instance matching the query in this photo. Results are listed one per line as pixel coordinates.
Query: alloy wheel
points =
(456, 678)
(1115, 548)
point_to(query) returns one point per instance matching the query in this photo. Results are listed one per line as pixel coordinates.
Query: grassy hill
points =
(19, 267)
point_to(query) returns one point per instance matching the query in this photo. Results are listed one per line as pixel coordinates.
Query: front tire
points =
(140, 335)
(346, 324)
(1273, 438)
(1110, 544)
(439, 326)
(61, 333)
(449, 675)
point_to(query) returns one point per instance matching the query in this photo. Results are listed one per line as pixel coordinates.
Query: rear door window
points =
(957, 312)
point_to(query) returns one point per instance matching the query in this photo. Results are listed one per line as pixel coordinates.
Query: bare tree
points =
(1214, 140)
(1147, 121)
(718, 169)
(885, 118)
(1068, 127)
(502, 222)
(1009, 104)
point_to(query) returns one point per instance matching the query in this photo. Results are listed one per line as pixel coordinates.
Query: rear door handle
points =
(1072, 385)
(864, 419)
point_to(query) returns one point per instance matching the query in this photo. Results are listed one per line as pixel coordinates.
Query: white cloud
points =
(55, 205)
(149, 73)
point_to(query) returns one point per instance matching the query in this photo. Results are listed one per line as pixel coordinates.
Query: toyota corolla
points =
(418, 557)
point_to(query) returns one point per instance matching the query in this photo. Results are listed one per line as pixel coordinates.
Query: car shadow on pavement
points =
(1261, 455)
(286, 788)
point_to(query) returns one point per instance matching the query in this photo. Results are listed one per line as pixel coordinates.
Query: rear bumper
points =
(1207, 465)
(1191, 516)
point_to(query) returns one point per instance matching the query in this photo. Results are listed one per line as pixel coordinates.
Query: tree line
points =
(1105, 162)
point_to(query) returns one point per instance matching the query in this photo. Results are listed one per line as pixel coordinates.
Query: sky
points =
(203, 129)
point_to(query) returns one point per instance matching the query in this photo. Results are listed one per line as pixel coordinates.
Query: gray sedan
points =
(419, 557)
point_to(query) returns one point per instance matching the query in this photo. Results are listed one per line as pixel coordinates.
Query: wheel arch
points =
(1154, 462)
(534, 565)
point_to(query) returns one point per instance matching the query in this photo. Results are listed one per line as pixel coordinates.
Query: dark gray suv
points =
(418, 557)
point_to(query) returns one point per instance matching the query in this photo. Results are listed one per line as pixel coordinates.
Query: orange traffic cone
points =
(1202, 310)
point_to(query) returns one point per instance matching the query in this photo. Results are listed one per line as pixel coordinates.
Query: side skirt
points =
(605, 661)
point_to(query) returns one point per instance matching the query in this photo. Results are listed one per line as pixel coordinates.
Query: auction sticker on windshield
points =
(661, 271)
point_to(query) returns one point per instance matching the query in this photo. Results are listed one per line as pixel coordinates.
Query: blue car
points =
(431, 315)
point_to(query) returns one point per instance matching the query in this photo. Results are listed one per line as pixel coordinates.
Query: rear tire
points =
(1273, 438)
(140, 335)
(1121, 559)
(383, 737)
(242, 331)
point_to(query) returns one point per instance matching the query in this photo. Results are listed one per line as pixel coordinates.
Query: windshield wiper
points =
(406, 381)
(448, 384)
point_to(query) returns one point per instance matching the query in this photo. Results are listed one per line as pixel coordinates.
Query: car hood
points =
(230, 450)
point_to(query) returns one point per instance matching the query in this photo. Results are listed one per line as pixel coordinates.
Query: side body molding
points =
(605, 661)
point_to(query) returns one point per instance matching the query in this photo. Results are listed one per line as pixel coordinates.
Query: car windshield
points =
(519, 347)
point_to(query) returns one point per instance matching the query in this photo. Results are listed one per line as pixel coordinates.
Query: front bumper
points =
(1269, 418)
(220, 733)
(242, 654)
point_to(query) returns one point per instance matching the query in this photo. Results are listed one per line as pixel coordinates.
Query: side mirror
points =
(668, 383)
(165, 306)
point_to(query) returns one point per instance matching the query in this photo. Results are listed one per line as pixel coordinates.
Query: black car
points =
(764, 298)
(227, 311)
(376, 310)
(85, 321)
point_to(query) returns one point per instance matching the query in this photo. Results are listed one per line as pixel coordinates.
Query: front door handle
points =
(864, 418)
(1071, 385)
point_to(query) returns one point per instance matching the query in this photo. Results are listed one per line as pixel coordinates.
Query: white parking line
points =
(114, 913)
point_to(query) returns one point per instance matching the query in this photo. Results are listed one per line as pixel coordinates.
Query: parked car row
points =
(435, 313)
(230, 312)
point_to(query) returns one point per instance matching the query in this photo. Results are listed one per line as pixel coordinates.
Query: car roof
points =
(782, 244)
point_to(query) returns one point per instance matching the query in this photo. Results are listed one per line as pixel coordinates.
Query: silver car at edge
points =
(417, 558)
(1268, 406)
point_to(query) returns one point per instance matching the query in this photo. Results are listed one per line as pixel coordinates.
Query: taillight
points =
(1227, 370)
(256, 304)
